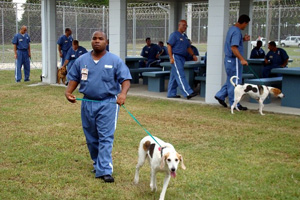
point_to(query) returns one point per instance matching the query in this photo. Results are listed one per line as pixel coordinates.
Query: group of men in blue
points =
(275, 58)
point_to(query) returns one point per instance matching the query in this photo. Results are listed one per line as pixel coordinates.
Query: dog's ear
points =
(181, 160)
(163, 160)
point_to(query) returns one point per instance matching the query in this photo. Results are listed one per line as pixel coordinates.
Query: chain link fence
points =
(143, 20)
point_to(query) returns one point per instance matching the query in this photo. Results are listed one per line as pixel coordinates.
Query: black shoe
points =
(240, 107)
(192, 95)
(26, 80)
(222, 102)
(177, 96)
(107, 178)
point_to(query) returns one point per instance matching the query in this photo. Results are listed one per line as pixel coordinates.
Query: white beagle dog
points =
(161, 159)
(258, 92)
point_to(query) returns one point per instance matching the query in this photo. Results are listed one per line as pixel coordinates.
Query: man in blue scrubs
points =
(151, 52)
(275, 58)
(22, 52)
(73, 53)
(257, 52)
(64, 43)
(178, 47)
(234, 60)
(195, 51)
(100, 75)
(164, 49)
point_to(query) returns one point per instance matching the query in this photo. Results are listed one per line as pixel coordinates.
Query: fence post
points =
(2, 34)
(133, 31)
(16, 18)
(199, 29)
(76, 24)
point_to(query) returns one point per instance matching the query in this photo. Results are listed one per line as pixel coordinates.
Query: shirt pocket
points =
(108, 74)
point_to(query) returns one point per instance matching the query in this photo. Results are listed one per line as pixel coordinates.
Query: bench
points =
(202, 80)
(247, 76)
(136, 71)
(156, 80)
(274, 82)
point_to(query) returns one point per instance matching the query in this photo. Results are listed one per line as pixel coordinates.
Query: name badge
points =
(84, 74)
(271, 57)
(108, 66)
(73, 56)
(20, 40)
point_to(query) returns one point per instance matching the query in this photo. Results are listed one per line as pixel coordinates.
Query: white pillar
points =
(117, 27)
(218, 20)
(49, 49)
(246, 7)
(189, 20)
(177, 12)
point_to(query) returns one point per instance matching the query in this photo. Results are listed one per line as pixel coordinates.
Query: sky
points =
(19, 7)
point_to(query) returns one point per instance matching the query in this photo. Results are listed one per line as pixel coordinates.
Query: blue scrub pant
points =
(99, 121)
(177, 78)
(22, 59)
(233, 67)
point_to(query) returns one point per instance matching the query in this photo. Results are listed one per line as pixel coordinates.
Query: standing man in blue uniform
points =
(64, 43)
(100, 74)
(178, 47)
(73, 53)
(257, 52)
(151, 52)
(234, 60)
(275, 58)
(21, 42)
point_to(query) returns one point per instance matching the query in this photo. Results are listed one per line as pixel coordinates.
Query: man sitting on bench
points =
(275, 58)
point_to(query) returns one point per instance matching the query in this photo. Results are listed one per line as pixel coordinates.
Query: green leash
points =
(80, 99)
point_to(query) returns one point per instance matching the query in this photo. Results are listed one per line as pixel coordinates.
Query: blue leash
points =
(80, 99)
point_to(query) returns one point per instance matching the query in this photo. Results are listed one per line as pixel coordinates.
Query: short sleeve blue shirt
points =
(72, 54)
(22, 41)
(165, 51)
(179, 43)
(65, 42)
(257, 53)
(277, 58)
(103, 79)
(151, 51)
(233, 38)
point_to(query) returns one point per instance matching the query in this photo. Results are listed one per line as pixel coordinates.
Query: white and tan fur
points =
(164, 159)
(258, 92)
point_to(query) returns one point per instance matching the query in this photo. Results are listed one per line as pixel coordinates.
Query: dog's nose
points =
(173, 169)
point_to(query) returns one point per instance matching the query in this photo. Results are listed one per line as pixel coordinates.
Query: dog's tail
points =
(231, 80)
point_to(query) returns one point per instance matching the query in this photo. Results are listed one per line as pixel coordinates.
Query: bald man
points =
(100, 74)
(178, 48)
(21, 42)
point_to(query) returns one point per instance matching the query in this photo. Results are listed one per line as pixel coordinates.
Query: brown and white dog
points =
(61, 74)
(161, 159)
(258, 92)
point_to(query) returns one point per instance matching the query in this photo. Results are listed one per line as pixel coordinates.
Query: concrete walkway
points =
(274, 106)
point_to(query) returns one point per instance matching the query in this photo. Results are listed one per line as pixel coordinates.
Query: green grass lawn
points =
(43, 153)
